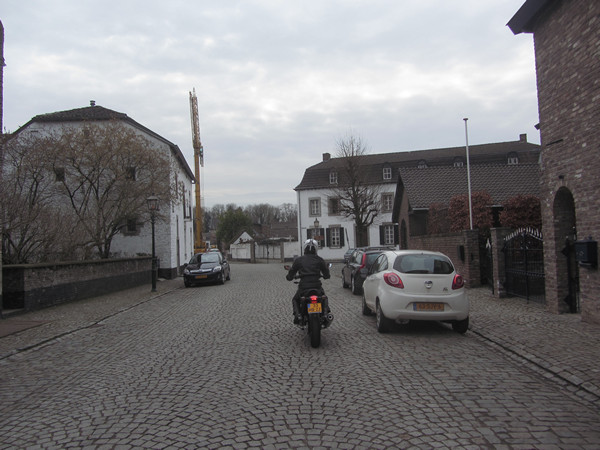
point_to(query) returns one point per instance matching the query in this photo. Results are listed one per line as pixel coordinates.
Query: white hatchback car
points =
(405, 285)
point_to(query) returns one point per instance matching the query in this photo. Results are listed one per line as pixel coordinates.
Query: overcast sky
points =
(278, 82)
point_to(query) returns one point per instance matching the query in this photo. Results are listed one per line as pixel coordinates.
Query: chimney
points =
(326, 157)
(92, 102)
(523, 137)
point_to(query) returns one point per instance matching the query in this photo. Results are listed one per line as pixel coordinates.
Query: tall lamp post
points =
(153, 208)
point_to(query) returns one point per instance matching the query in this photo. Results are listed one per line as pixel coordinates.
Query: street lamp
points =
(153, 207)
(316, 231)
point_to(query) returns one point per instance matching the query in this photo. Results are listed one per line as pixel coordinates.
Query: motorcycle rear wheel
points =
(314, 330)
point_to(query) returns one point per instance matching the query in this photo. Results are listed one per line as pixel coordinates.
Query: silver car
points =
(405, 285)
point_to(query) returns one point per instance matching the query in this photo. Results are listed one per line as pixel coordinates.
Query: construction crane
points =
(199, 244)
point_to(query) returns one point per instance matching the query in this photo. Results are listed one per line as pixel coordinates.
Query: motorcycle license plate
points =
(314, 308)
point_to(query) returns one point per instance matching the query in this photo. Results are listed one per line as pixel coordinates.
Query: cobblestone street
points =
(223, 366)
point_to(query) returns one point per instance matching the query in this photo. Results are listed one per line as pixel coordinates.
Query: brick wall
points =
(35, 286)
(462, 248)
(567, 53)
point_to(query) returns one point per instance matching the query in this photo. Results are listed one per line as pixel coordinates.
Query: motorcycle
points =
(314, 310)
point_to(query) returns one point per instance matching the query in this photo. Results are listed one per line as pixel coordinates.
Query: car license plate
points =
(201, 277)
(314, 308)
(428, 307)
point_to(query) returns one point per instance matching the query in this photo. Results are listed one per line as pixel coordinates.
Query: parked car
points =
(348, 254)
(211, 267)
(355, 269)
(405, 285)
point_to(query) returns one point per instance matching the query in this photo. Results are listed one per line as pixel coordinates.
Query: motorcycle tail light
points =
(393, 280)
(314, 298)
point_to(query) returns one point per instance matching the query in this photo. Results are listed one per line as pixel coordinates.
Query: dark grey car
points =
(355, 270)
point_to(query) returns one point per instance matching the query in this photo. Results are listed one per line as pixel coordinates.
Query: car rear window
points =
(422, 263)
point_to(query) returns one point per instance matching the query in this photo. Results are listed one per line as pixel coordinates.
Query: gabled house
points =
(404, 195)
(566, 36)
(174, 234)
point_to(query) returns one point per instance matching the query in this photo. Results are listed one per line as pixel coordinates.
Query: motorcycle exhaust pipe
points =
(329, 317)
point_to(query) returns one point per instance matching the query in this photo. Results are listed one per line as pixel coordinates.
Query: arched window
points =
(458, 162)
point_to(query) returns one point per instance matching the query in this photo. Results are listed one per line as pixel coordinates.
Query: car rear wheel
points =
(365, 309)
(383, 323)
(461, 326)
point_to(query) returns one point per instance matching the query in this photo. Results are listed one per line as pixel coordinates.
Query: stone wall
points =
(35, 286)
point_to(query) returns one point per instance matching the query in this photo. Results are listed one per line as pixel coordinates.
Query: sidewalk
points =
(24, 331)
(560, 347)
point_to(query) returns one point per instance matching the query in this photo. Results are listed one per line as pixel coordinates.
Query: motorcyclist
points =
(310, 267)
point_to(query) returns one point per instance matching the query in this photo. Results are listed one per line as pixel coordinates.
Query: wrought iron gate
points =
(524, 259)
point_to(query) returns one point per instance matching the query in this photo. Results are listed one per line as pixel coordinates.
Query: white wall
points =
(306, 221)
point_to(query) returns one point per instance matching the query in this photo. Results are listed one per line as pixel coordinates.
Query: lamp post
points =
(153, 207)
(316, 232)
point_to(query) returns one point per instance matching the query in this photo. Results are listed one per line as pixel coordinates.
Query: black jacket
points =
(310, 268)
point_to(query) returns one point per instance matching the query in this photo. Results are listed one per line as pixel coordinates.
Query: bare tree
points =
(95, 179)
(110, 170)
(288, 212)
(34, 227)
(262, 213)
(358, 198)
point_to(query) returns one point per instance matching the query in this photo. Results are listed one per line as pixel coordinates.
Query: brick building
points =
(566, 36)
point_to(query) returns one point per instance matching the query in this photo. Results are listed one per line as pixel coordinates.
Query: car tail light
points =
(458, 282)
(363, 261)
(393, 280)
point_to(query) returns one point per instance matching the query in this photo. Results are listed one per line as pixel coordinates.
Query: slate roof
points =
(317, 176)
(99, 113)
(440, 184)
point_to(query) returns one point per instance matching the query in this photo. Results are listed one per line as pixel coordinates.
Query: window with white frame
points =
(458, 162)
(335, 238)
(388, 235)
(333, 177)
(387, 173)
(314, 205)
(513, 159)
(422, 164)
(387, 202)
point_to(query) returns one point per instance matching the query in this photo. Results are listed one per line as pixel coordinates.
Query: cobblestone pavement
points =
(222, 366)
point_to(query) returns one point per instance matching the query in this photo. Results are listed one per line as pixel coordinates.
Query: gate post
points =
(497, 239)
